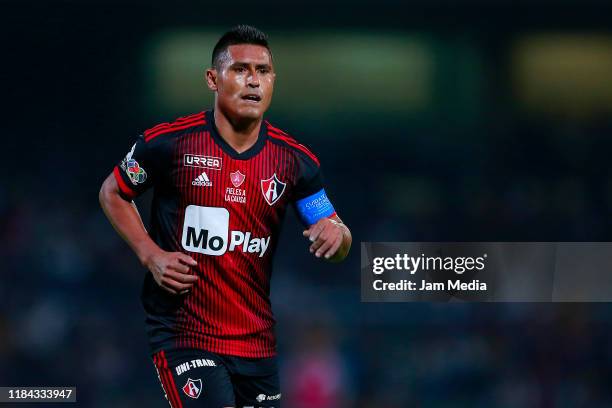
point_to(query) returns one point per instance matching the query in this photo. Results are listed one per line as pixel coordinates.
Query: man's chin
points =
(254, 112)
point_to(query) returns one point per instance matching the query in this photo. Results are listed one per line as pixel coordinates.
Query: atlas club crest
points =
(272, 189)
(193, 388)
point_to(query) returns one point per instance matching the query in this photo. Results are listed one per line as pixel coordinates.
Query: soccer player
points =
(222, 180)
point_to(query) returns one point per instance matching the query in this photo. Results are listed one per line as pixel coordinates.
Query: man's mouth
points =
(252, 97)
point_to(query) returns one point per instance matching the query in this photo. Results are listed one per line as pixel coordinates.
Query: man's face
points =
(244, 81)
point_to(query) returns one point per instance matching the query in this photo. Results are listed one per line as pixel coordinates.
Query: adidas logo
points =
(202, 181)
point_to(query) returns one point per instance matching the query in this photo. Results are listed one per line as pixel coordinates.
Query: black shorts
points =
(198, 378)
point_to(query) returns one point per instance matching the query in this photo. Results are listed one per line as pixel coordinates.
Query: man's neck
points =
(241, 136)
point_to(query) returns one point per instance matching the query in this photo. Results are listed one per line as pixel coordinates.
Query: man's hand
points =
(330, 238)
(171, 271)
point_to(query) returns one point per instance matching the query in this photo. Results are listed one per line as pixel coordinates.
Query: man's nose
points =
(253, 79)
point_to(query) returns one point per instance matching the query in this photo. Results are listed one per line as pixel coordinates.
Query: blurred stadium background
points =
(434, 120)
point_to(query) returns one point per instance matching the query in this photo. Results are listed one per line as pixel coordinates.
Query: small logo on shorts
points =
(193, 388)
(264, 397)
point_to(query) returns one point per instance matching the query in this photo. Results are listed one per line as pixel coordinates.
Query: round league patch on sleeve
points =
(312, 208)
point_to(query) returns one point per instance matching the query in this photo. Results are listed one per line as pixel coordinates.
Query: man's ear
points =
(211, 79)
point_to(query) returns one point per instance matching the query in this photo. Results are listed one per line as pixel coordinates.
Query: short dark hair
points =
(241, 34)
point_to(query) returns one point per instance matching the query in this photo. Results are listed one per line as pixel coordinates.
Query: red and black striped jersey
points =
(224, 209)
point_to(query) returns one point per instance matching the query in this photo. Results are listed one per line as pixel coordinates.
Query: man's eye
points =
(239, 69)
(264, 70)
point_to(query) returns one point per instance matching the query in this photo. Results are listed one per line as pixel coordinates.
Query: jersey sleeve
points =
(310, 200)
(135, 173)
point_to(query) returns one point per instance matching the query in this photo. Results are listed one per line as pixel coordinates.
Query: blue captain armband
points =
(312, 208)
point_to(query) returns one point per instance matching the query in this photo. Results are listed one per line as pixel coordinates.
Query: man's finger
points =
(175, 285)
(186, 259)
(322, 237)
(334, 248)
(323, 248)
(182, 277)
(168, 289)
(316, 230)
(315, 245)
(177, 266)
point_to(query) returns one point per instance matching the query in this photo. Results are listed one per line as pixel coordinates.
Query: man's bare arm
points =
(170, 269)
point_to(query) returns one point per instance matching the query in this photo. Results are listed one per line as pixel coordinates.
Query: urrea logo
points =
(206, 230)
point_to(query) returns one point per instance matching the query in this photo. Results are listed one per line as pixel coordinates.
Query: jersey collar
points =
(247, 154)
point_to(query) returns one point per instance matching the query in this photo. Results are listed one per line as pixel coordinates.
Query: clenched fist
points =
(330, 238)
